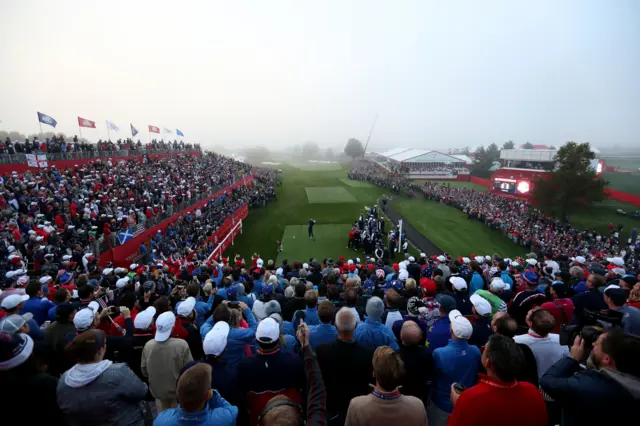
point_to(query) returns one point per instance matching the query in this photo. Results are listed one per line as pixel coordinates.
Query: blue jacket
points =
(217, 412)
(238, 337)
(257, 287)
(456, 362)
(323, 333)
(51, 315)
(477, 283)
(373, 334)
(39, 307)
(202, 309)
(35, 332)
(311, 318)
(439, 333)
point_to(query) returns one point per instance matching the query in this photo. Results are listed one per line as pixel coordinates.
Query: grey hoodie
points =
(101, 394)
(627, 381)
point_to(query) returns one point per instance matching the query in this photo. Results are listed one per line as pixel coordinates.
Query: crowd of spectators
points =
(368, 171)
(528, 227)
(432, 340)
(58, 144)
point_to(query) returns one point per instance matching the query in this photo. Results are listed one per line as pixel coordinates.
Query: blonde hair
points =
(388, 368)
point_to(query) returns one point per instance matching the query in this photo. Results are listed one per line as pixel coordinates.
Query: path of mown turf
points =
(413, 235)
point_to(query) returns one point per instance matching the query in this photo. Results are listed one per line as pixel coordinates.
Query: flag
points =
(134, 131)
(83, 122)
(167, 130)
(125, 236)
(32, 160)
(45, 119)
(179, 133)
(112, 126)
(154, 129)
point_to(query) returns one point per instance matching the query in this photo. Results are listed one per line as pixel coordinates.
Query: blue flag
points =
(125, 236)
(134, 131)
(44, 118)
(179, 133)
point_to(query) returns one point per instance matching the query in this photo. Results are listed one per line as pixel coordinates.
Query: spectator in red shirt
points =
(499, 399)
(560, 306)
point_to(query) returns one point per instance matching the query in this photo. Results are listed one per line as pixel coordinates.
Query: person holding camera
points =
(616, 299)
(607, 390)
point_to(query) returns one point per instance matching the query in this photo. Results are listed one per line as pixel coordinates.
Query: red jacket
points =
(567, 307)
(493, 402)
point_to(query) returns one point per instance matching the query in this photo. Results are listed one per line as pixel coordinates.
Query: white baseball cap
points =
(13, 300)
(412, 259)
(94, 306)
(498, 284)
(618, 261)
(423, 255)
(215, 342)
(122, 282)
(441, 258)
(45, 279)
(579, 259)
(483, 307)
(458, 283)
(144, 319)
(403, 275)
(532, 261)
(460, 326)
(83, 319)
(479, 259)
(164, 326)
(279, 272)
(268, 331)
(186, 307)
(259, 263)
(403, 266)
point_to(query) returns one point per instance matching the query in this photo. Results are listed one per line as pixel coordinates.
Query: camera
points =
(590, 333)
(233, 305)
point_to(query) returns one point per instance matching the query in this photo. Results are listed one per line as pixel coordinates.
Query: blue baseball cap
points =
(267, 289)
(397, 285)
(368, 286)
(530, 277)
(233, 291)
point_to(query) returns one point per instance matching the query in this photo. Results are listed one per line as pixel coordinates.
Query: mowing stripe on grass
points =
(356, 183)
(328, 194)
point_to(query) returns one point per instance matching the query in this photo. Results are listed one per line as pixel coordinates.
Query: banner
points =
(83, 122)
(32, 161)
(42, 161)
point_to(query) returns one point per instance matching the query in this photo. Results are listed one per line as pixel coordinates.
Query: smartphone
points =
(459, 387)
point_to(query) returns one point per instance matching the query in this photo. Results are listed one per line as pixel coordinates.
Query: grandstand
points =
(424, 164)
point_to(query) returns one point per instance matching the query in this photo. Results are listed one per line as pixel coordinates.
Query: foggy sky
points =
(439, 74)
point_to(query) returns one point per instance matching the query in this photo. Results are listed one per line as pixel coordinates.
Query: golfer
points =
(311, 234)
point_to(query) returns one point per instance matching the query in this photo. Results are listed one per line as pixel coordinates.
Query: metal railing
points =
(84, 155)
(106, 245)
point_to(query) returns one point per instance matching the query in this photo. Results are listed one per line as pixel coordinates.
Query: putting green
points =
(329, 240)
(356, 183)
(328, 194)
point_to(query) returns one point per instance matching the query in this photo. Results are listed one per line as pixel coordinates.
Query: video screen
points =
(502, 186)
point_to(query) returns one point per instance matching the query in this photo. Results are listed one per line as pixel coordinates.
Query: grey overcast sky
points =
(439, 73)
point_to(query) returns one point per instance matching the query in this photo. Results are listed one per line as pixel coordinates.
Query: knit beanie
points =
(375, 308)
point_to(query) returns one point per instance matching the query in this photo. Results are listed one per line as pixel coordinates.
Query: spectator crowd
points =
(433, 340)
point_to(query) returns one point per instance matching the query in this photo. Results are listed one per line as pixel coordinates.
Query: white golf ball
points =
(294, 236)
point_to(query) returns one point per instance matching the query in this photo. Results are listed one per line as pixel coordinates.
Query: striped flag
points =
(154, 129)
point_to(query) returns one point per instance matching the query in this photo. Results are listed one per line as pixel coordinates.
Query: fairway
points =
(331, 241)
(328, 194)
(317, 167)
(356, 183)
(449, 229)
(625, 182)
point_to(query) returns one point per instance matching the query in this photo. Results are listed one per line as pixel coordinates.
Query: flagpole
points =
(108, 132)
(41, 132)
(80, 130)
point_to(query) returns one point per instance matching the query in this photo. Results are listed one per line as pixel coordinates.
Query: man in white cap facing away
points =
(162, 359)
(481, 321)
(131, 351)
(457, 362)
(496, 288)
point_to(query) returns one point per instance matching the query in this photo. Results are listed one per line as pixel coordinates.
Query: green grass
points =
(328, 194)
(357, 183)
(329, 238)
(316, 167)
(449, 229)
(264, 226)
(625, 182)
(456, 184)
(625, 163)
(601, 215)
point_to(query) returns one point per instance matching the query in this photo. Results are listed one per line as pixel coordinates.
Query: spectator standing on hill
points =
(560, 306)
(37, 304)
(386, 405)
(325, 332)
(372, 333)
(527, 299)
(457, 362)
(591, 300)
(499, 398)
(616, 298)
(417, 362)
(199, 404)
(439, 333)
(341, 359)
(493, 295)
(162, 359)
(607, 391)
(481, 321)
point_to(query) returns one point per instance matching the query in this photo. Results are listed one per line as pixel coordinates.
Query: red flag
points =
(83, 122)
(154, 129)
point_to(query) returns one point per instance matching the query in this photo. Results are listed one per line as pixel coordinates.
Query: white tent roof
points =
(464, 158)
(405, 155)
(393, 152)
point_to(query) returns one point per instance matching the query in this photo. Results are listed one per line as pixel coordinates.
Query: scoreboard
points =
(511, 186)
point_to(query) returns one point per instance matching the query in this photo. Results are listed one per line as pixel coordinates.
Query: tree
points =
(328, 154)
(310, 150)
(465, 151)
(573, 186)
(483, 160)
(527, 145)
(354, 148)
(508, 145)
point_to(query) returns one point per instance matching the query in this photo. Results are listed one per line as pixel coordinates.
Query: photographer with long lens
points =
(604, 392)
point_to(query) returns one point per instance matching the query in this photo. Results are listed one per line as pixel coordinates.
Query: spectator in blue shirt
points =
(310, 312)
(202, 308)
(61, 295)
(372, 333)
(439, 333)
(457, 362)
(198, 404)
(37, 305)
(325, 332)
